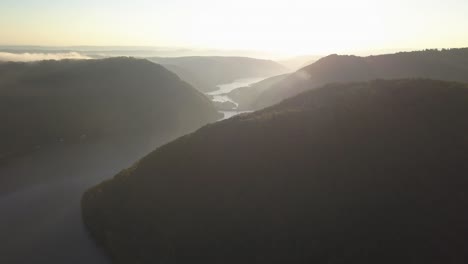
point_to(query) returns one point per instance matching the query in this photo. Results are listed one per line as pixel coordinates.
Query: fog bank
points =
(7, 56)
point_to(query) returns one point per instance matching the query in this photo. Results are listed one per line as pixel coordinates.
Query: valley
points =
(137, 138)
(233, 132)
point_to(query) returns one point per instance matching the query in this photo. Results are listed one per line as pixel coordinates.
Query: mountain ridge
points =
(449, 65)
(351, 173)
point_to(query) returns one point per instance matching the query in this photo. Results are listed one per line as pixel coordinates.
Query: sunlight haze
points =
(285, 27)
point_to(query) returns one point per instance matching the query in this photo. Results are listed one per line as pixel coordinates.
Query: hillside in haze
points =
(451, 65)
(205, 73)
(70, 101)
(298, 62)
(247, 96)
(349, 173)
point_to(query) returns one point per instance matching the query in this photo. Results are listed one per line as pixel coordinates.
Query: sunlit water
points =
(221, 94)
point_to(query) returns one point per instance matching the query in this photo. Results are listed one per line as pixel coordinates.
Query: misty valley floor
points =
(41, 223)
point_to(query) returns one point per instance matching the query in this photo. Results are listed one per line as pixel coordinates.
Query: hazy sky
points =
(291, 27)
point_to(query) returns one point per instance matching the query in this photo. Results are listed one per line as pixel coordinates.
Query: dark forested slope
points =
(349, 173)
(450, 65)
(204, 73)
(66, 101)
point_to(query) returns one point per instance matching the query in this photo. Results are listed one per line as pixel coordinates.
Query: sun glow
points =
(288, 27)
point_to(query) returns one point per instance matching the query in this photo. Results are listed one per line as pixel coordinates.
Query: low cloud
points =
(6, 56)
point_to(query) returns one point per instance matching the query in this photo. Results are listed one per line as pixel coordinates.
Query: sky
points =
(290, 27)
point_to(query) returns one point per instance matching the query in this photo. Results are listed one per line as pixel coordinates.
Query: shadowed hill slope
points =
(349, 173)
(50, 101)
(450, 65)
(204, 73)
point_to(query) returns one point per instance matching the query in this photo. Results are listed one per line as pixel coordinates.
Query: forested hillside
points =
(371, 172)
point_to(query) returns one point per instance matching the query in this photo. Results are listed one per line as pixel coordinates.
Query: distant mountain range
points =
(366, 172)
(100, 52)
(68, 101)
(205, 73)
(451, 65)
